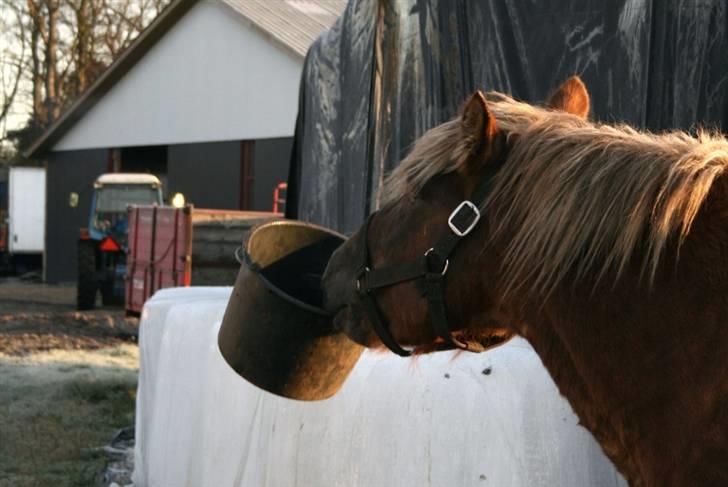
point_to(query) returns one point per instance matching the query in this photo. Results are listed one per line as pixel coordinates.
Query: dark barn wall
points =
(271, 158)
(70, 171)
(147, 159)
(207, 174)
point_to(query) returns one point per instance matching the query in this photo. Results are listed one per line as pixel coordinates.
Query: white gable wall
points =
(212, 77)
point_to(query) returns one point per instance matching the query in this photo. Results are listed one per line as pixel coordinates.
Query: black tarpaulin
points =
(391, 69)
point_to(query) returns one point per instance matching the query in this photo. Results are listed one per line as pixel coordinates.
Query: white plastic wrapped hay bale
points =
(434, 421)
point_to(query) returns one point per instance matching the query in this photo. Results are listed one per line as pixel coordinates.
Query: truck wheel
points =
(87, 286)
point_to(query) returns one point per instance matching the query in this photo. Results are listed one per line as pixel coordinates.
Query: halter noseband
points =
(431, 269)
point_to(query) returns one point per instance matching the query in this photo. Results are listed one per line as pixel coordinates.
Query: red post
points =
(279, 201)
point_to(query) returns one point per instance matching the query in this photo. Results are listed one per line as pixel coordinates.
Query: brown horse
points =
(605, 247)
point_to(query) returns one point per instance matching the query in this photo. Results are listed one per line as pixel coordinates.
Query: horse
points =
(604, 246)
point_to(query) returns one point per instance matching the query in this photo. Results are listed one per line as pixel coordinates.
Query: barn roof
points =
(292, 24)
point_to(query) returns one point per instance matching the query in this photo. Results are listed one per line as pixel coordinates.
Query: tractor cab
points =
(102, 245)
(113, 193)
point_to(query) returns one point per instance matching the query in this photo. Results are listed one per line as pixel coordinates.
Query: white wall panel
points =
(212, 77)
(26, 210)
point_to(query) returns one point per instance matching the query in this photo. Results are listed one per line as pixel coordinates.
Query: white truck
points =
(26, 213)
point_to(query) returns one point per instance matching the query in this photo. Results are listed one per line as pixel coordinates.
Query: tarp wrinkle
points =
(657, 64)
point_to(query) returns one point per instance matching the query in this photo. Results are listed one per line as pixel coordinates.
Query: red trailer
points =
(160, 252)
(170, 247)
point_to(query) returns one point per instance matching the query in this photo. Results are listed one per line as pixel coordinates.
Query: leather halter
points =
(431, 269)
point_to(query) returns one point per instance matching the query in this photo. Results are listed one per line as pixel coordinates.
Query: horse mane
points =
(441, 150)
(575, 195)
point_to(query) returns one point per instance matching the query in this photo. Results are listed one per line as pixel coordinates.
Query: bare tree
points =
(12, 58)
(65, 46)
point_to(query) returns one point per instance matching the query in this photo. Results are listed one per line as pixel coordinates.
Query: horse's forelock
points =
(439, 151)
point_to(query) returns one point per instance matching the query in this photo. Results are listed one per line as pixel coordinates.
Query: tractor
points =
(102, 245)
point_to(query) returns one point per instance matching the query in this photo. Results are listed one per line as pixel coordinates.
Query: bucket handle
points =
(244, 258)
(240, 255)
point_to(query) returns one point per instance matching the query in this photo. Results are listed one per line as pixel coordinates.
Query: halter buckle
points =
(362, 273)
(466, 205)
(445, 264)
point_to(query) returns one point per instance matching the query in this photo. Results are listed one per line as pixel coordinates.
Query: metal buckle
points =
(445, 265)
(465, 204)
(362, 273)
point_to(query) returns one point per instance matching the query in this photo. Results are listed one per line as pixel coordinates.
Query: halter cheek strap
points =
(431, 269)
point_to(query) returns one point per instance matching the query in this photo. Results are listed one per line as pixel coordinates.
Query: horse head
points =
(421, 200)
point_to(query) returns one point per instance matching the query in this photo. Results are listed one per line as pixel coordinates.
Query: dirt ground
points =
(37, 317)
(67, 385)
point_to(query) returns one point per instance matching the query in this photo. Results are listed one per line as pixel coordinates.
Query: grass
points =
(56, 409)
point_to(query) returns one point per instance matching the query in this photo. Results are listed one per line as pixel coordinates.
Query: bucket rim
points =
(248, 261)
(295, 223)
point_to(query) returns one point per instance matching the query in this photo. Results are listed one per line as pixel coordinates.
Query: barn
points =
(206, 99)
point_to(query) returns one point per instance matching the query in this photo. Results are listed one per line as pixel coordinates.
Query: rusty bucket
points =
(275, 332)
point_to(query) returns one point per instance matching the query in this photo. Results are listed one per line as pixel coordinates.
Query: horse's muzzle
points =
(339, 288)
(333, 284)
(338, 281)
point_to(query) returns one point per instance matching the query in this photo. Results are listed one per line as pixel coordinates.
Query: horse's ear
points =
(477, 122)
(571, 97)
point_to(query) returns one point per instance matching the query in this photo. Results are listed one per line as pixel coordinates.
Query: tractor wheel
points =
(87, 285)
(107, 294)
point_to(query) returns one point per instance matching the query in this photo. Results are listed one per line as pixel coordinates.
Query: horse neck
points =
(542, 331)
(631, 360)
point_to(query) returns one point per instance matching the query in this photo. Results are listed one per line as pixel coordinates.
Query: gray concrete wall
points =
(207, 174)
(69, 171)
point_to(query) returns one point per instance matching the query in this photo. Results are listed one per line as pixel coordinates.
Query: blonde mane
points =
(575, 195)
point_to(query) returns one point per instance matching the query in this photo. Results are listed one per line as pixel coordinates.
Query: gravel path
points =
(37, 317)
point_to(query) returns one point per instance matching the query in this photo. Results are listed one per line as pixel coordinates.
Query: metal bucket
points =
(275, 333)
